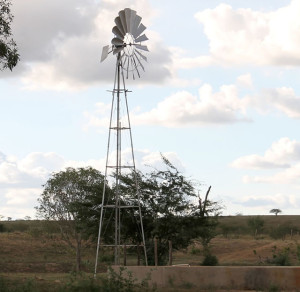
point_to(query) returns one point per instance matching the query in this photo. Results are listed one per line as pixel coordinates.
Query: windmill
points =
(128, 48)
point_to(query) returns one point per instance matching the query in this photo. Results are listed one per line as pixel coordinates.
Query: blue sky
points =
(220, 97)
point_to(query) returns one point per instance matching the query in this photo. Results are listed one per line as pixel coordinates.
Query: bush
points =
(2, 228)
(280, 232)
(210, 260)
(256, 224)
(280, 257)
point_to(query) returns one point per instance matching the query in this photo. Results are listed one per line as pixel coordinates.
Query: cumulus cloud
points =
(277, 200)
(21, 180)
(245, 36)
(283, 100)
(184, 109)
(245, 80)
(280, 155)
(284, 153)
(290, 175)
(60, 43)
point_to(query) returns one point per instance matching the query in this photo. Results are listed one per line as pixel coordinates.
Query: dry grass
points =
(36, 250)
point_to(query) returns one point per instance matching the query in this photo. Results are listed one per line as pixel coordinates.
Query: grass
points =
(32, 253)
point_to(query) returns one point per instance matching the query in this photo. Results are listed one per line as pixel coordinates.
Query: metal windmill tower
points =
(126, 45)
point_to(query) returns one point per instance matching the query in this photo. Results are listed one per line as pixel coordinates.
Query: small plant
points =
(298, 253)
(279, 257)
(274, 288)
(195, 251)
(210, 260)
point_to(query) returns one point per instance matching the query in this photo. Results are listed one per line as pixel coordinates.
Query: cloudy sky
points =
(220, 97)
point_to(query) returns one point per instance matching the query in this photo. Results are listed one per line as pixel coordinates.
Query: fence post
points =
(170, 253)
(138, 254)
(125, 255)
(155, 251)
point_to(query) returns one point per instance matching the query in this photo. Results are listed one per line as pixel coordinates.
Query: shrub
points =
(210, 260)
(280, 257)
(280, 232)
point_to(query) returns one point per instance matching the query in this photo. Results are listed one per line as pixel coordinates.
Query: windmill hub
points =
(128, 44)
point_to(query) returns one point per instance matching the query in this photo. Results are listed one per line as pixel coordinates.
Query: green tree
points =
(170, 210)
(256, 224)
(275, 211)
(67, 196)
(9, 56)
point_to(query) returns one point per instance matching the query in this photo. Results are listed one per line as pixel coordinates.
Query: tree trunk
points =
(78, 252)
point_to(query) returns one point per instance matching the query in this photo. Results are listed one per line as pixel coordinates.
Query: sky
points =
(220, 98)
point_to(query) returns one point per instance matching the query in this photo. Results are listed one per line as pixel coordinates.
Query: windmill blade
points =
(134, 55)
(142, 56)
(123, 20)
(117, 50)
(135, 66)
(141, 38)
(118, 22)
(117, 42)
(127, 68)
(139, 30)
(135, 25)
(128, 17)
(104, 53)
(118, 33)
(141, 47)
(132, 66)
(132, 18)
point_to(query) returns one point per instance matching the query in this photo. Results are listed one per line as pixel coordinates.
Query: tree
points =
(66, 198)
(169, 209)
(207, 217)
(256, 224)
(9, 56)
(275, 211)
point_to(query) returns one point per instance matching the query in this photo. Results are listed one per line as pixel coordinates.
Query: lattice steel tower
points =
(126, 45)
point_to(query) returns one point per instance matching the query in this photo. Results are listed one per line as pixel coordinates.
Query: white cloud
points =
(60, 43)
(282, 100)
(284, 153)
(280, 155)
(245, 80)
(290, 175)
(22, 179)
(22, 197)
(274, 201)
(184, 109)
(244, 36)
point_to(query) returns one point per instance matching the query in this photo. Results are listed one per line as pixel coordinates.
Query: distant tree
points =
(9, 218)
(275, 211)
(27, 218)
(9, 56)
(65, 199)
(256, 224)
(1, 217)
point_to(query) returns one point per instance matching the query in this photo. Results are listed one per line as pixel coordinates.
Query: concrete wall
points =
(239, 278)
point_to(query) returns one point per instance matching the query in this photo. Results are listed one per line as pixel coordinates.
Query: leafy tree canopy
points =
(275, 211)
(9, 56)
(66, 198)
